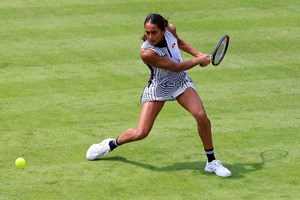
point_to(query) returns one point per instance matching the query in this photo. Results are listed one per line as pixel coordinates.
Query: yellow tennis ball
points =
(20, 162)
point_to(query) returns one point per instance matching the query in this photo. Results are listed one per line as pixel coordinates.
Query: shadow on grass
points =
(238, 169)
(173, 167)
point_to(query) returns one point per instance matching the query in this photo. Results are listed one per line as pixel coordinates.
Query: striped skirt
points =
(166, 90)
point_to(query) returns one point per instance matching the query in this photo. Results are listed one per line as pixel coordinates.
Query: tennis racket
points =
(220, 50)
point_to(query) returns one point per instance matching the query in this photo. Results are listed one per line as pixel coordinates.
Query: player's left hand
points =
(205, 60)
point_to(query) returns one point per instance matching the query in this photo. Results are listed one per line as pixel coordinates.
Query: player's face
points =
(153, 33)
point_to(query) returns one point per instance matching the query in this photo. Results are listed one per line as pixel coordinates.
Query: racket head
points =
(219, 52)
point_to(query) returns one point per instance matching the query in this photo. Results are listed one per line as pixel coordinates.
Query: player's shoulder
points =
(172, 29)
(147, 54)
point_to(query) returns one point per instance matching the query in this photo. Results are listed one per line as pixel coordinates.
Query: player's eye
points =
(151, 32)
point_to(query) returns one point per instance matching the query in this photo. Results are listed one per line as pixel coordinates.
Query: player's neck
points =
(162, 43)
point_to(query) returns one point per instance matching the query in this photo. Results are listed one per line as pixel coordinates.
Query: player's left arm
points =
(183, 45)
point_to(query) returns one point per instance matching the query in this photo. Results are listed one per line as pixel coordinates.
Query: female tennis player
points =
(168, 81)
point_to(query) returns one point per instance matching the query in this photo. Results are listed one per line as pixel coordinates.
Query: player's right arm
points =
(150, 57)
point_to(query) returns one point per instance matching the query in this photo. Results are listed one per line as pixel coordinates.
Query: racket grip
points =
(210, 56)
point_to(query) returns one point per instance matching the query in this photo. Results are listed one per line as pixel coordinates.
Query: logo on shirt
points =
(173, 45)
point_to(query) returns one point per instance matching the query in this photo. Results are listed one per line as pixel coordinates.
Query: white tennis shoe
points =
(217, 167)
(97, 150)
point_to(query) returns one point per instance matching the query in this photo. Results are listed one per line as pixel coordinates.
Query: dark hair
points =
(156, 19)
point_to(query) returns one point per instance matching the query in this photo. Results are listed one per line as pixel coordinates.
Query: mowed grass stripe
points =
(70, 75)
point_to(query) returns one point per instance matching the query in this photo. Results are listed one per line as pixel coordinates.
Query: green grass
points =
(70, 76)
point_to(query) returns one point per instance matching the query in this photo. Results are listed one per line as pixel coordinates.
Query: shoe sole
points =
(221, 175)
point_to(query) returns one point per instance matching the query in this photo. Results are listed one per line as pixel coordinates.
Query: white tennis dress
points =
(163, 84)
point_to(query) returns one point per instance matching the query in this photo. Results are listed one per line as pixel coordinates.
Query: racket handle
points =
(210, 56)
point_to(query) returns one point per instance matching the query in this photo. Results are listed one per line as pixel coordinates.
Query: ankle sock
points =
(210, 154)
(113, 144)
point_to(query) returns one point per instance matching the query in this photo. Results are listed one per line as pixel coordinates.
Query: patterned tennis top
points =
(163, 84)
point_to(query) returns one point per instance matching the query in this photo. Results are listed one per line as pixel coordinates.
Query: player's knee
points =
(141, 134)
(201, 118)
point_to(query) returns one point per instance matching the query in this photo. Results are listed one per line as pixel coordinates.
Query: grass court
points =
(71, 75)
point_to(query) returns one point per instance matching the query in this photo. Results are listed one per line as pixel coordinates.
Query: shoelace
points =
(218, 163)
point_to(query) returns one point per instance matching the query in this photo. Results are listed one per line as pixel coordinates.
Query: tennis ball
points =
(20, 162)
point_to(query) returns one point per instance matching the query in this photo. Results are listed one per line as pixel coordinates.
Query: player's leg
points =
(191, 101)
(148, 115)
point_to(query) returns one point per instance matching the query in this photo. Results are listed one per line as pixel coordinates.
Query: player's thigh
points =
(191, 101)
(149, 112)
